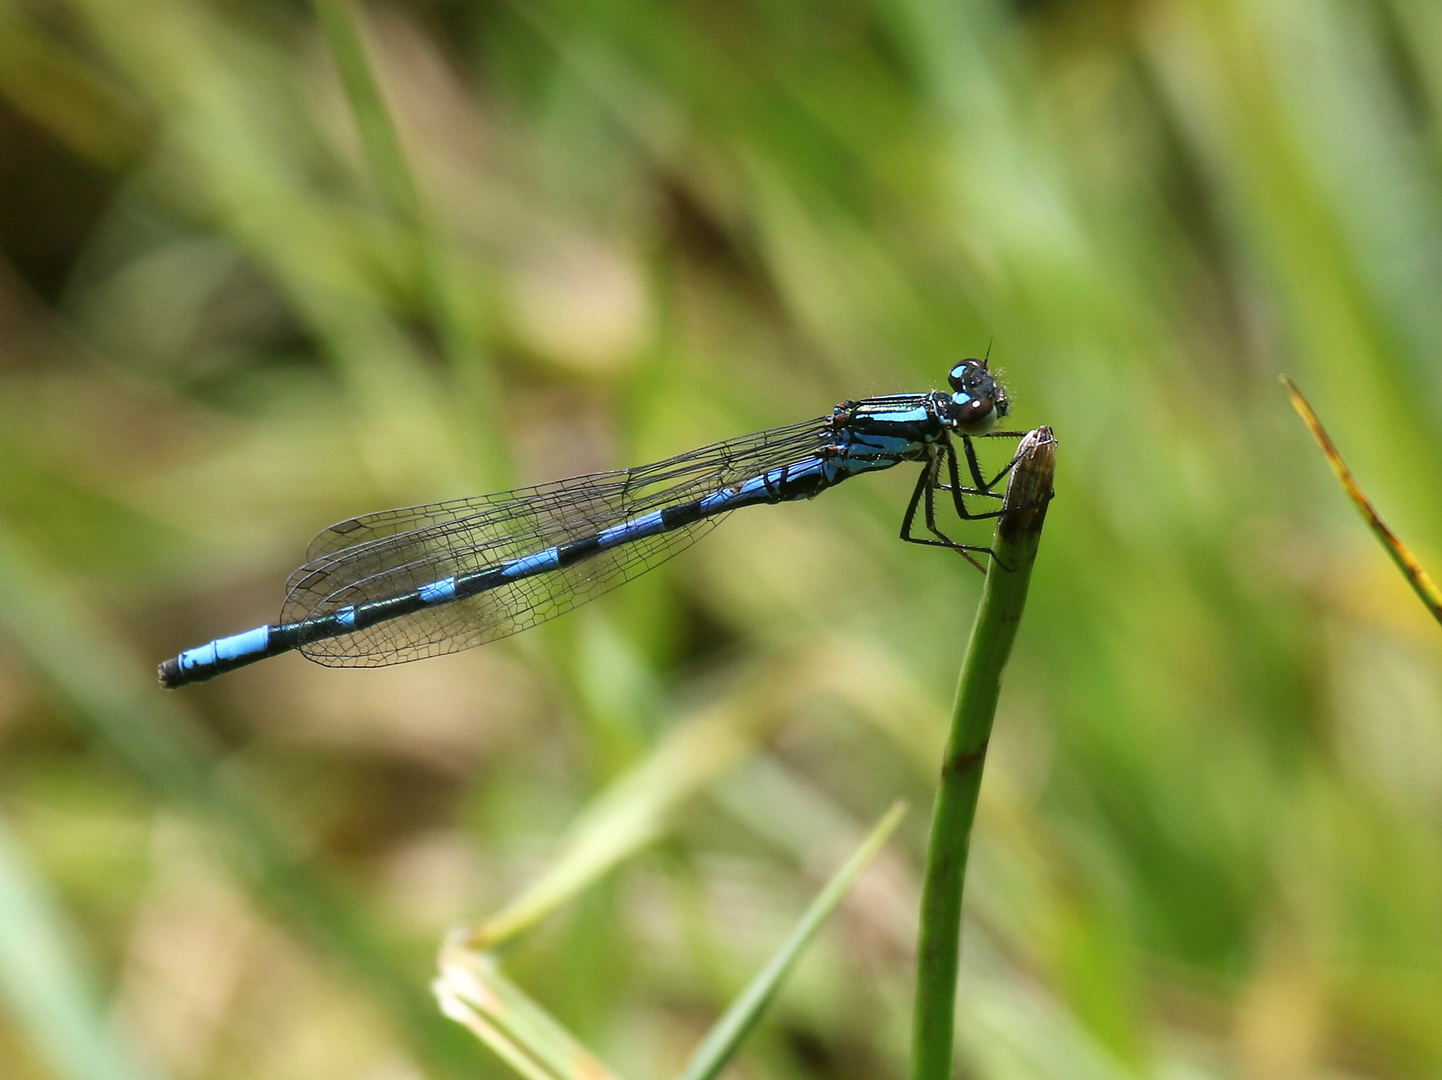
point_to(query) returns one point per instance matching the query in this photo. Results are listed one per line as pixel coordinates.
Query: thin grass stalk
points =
(1421, 582)
(725, 1038)
(401, 193)
(1018, 533)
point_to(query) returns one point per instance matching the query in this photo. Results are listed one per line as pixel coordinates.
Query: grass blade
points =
(64, 94)
(1421, 582)
(378, 134)
(46, 983)
(472, 991)
(111, 695)
(1018, 533)
(459, 337)
(632, 811)
(722, 1042)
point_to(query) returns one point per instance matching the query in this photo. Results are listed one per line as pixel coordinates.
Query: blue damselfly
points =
(406, 584)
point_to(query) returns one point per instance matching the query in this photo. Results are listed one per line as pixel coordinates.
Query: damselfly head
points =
(977, 399)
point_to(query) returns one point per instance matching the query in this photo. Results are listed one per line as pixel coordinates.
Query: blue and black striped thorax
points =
(880, 432)
(877, 433)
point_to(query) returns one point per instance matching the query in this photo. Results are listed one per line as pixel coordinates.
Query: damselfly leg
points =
(924, 494)
(923, 497)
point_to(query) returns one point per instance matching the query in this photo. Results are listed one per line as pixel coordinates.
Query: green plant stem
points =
(1018, 533)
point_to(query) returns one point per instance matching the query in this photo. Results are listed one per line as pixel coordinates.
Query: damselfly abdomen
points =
(406, 584)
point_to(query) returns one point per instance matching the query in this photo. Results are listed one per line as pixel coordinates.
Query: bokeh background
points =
(1210, 839)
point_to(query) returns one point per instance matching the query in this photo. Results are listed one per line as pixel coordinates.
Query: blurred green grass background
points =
(1210, 838)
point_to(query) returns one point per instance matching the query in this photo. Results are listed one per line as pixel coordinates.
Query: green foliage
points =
(1208, 838)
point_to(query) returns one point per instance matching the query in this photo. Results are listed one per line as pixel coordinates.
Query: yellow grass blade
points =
(1421, 582)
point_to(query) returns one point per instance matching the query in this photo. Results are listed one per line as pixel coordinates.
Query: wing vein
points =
(394, 552)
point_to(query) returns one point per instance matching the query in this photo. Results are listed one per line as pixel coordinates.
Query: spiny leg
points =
(912, 504)
(924, 490)
(957, 491)
(964, 550)
(984, 485)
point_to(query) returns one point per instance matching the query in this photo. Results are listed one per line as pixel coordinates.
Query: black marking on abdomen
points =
(576, 550)
(676, 517)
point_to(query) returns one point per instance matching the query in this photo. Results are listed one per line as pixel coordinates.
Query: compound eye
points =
(964, 374)
(975, 416)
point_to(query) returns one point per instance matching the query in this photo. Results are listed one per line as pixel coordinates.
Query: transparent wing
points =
(356, 531)
(395, 552)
